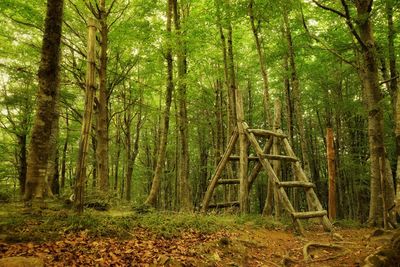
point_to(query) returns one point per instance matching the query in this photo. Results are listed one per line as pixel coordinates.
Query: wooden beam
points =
(280, 157)
(309, 214)
(236, 158)
(262, 132)
(296, 184)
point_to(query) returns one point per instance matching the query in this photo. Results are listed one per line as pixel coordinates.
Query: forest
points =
(158, 133)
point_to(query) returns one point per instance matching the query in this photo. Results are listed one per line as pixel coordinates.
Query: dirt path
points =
(248, 247)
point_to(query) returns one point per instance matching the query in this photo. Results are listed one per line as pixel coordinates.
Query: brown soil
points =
(248, 247)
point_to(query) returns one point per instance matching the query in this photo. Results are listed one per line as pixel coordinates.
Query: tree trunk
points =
(184, 188)
(87, 118)
(373, 96)
(296, 94)
(102, 105)
(152, 198)
(331, 173)
(49, 83)
(261, 57)
(22, 162)
(64, 154)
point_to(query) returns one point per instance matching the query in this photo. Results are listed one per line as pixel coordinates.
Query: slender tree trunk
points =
(64, 154)
(22, 162)
(49, 83)
(152, 198)
(87, 119)
(296, 94)
(331, 173)
(263, 68)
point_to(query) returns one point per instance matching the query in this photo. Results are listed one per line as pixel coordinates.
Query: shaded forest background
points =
(296, 52)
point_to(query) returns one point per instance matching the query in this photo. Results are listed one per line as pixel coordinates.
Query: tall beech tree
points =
(164, 123)
(47, 97)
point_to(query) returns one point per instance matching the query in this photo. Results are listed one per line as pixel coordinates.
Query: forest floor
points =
(126, 238)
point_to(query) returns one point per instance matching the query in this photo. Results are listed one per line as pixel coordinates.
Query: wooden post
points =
(87, 116)
(243, 161)
(331, 174)
(275, 149)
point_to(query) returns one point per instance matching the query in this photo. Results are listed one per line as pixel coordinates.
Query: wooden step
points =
(228, 181)
(225, 205)
(280, 157)
(296, 184)
(266, 133)
(268, 156)
(237, 158)
(309, 214)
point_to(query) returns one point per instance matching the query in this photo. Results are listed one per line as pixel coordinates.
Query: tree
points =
(152, 197)
(46, 115)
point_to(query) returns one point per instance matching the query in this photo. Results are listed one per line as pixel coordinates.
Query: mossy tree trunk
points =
(47, 97)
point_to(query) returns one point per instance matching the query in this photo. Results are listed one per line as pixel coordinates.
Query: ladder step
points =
(280, 157)
(228, 181)
(309, 214)
(236, 157)
(296, 184)
(268, 156)
(224, 205)
(262, 132)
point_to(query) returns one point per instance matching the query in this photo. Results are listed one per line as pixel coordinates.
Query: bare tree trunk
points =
(102, 105)
(87, 118)
(296, 94)
(22, 162)
(331, 173)
(64, 154)
(49, 83)
(261, 57)
(184, 188)
(151, 199)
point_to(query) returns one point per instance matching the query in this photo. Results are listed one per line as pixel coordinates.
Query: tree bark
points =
(296, 94)
(49, 83)
(263, 67)
(184, 188)
(331, 173)
(87, 118)
(102, 105)
(152, 198)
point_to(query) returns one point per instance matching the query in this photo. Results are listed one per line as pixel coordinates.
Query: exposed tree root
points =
(307, 246)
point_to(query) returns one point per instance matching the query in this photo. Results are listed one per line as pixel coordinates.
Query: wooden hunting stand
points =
(262, 157)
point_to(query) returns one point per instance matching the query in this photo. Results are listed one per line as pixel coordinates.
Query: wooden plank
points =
(236, 158)
(280, 157)
(266, 133)
(228, 181)
(218, 171)
(295, 184)
(309, 214)
(224, 205)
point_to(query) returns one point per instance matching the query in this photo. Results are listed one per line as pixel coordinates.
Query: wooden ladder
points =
(263, 159)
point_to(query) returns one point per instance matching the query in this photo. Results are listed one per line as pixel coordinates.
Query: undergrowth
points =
(17, 225)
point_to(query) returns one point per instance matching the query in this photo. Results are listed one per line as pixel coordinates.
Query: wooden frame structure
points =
(247, 137)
